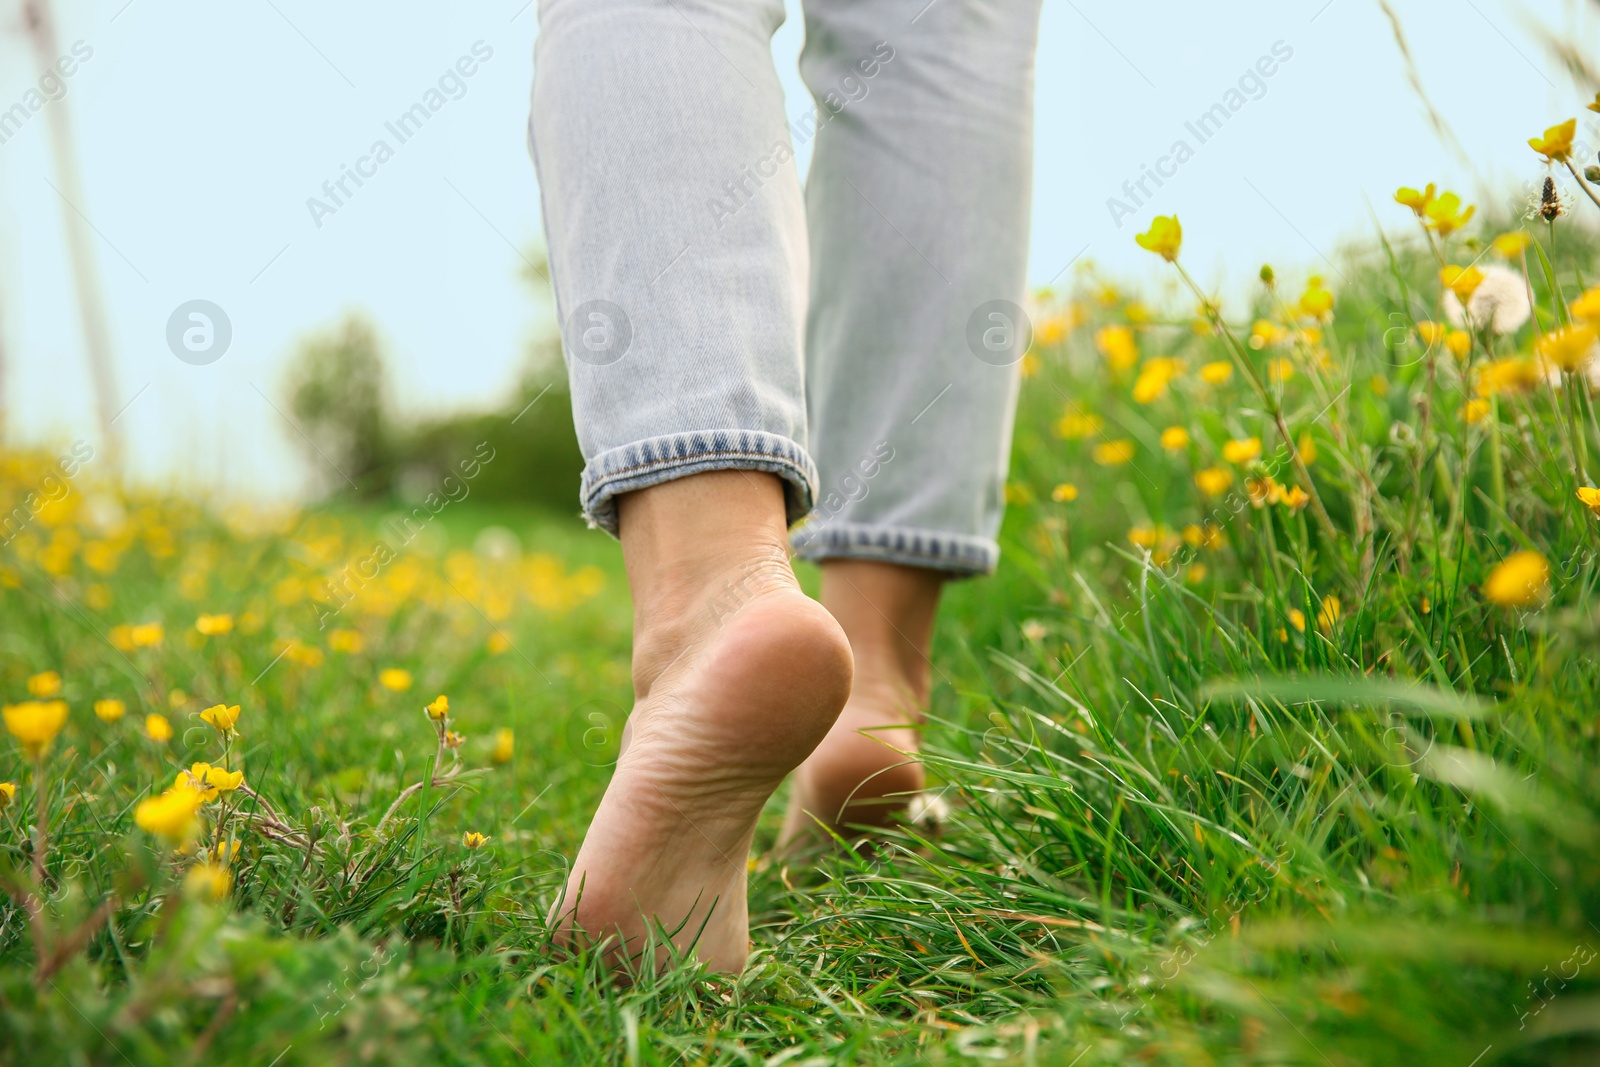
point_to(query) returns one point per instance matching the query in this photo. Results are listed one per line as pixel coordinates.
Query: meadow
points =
(1273, 741)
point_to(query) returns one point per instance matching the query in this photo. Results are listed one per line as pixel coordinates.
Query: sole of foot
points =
(666, 856)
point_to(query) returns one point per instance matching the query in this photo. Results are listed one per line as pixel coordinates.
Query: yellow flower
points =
(195, 778)
(1196, 574)
(207, 881)
(1513, 244)
(1280, 370)
(1476, 410)
(395, 679)
(1174, 439)
(1164, 237)
(1587, 306)
(1446, 215)
(214, 625)
(1263, 491)
(1307, 448)
(1242, 450)
(222, 780)
(1416, 200)
(44, 685)
(1147, 536)
(8, 793)
(504, 745)
(1265, 332)
(498, 643)
(1329, 613)
(1432, 333)
(1207, 536)
(1556, 144)
(1073, 425)
(1152, 381)
(1113, 453)
(1214, 481)
(473, 839)
(1459, 342)
(439, 708)
(1569, 347)
(1511, 375)
(1521, 580)
(1294, 498)
(1590, 498)
(1117, 344)
(221, 717)
(110, 709)
(1316, 301)
(1596, 105)
(146, 634)
(1216, 372)
(1297, 619)
(157, 728)
(346, 641)
(1463, 281)
(35, 723)
(1064, 493)
(452, 740)
(170, 815)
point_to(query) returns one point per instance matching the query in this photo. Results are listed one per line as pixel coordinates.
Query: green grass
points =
(1182, 829)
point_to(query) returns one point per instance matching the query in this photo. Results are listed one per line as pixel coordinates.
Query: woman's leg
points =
(917, 203)
(677, 246)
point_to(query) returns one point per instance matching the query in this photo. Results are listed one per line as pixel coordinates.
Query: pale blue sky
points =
(204, 128)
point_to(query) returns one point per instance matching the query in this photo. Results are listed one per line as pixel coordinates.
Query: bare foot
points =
(865, 773)
(759, 674)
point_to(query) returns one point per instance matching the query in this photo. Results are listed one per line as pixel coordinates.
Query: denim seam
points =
(786, 458)
(961, 554)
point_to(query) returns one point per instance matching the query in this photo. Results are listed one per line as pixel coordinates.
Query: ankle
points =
(697, 549)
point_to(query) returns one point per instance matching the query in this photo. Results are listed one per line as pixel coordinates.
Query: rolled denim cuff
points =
(960, 555)
(678, 455)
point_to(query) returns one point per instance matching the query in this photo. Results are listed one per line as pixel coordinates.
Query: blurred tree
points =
(339, 396)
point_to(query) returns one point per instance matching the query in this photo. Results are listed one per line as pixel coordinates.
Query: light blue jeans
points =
(860, 340)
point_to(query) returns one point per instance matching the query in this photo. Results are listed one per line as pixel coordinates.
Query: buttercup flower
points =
(1462, 281)
(170, 815)
(347, 641)
(1216, 372)
(1446, 215)
(395, 679)
(1569, 347)
(1521, 580)
(1213, 481)
(439, 708)
(504, 745)
(157, 728)
(1459, 342)
(207, 881)
(1513, 244)
(1297, 619)
(214, 625)
(1431, 333)
(222, 780)
(1475, 410)
(1074, 425)
(1064, 493)
(1152, 381)
(1556, 144)
(1117, 344)
(1316, 302)
(109, 709)
(195, 778)
(44, 685)
(1174, 439)
(35, 723)
(1242, 450)
(472, 839)
(8, 793)
(1512, 375)
(1164, 237)
(146, 634)
(1587, 306)
(1329, 613)
(221, 717)
(1416, 200)
(1113, 453)
(1590, 498)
